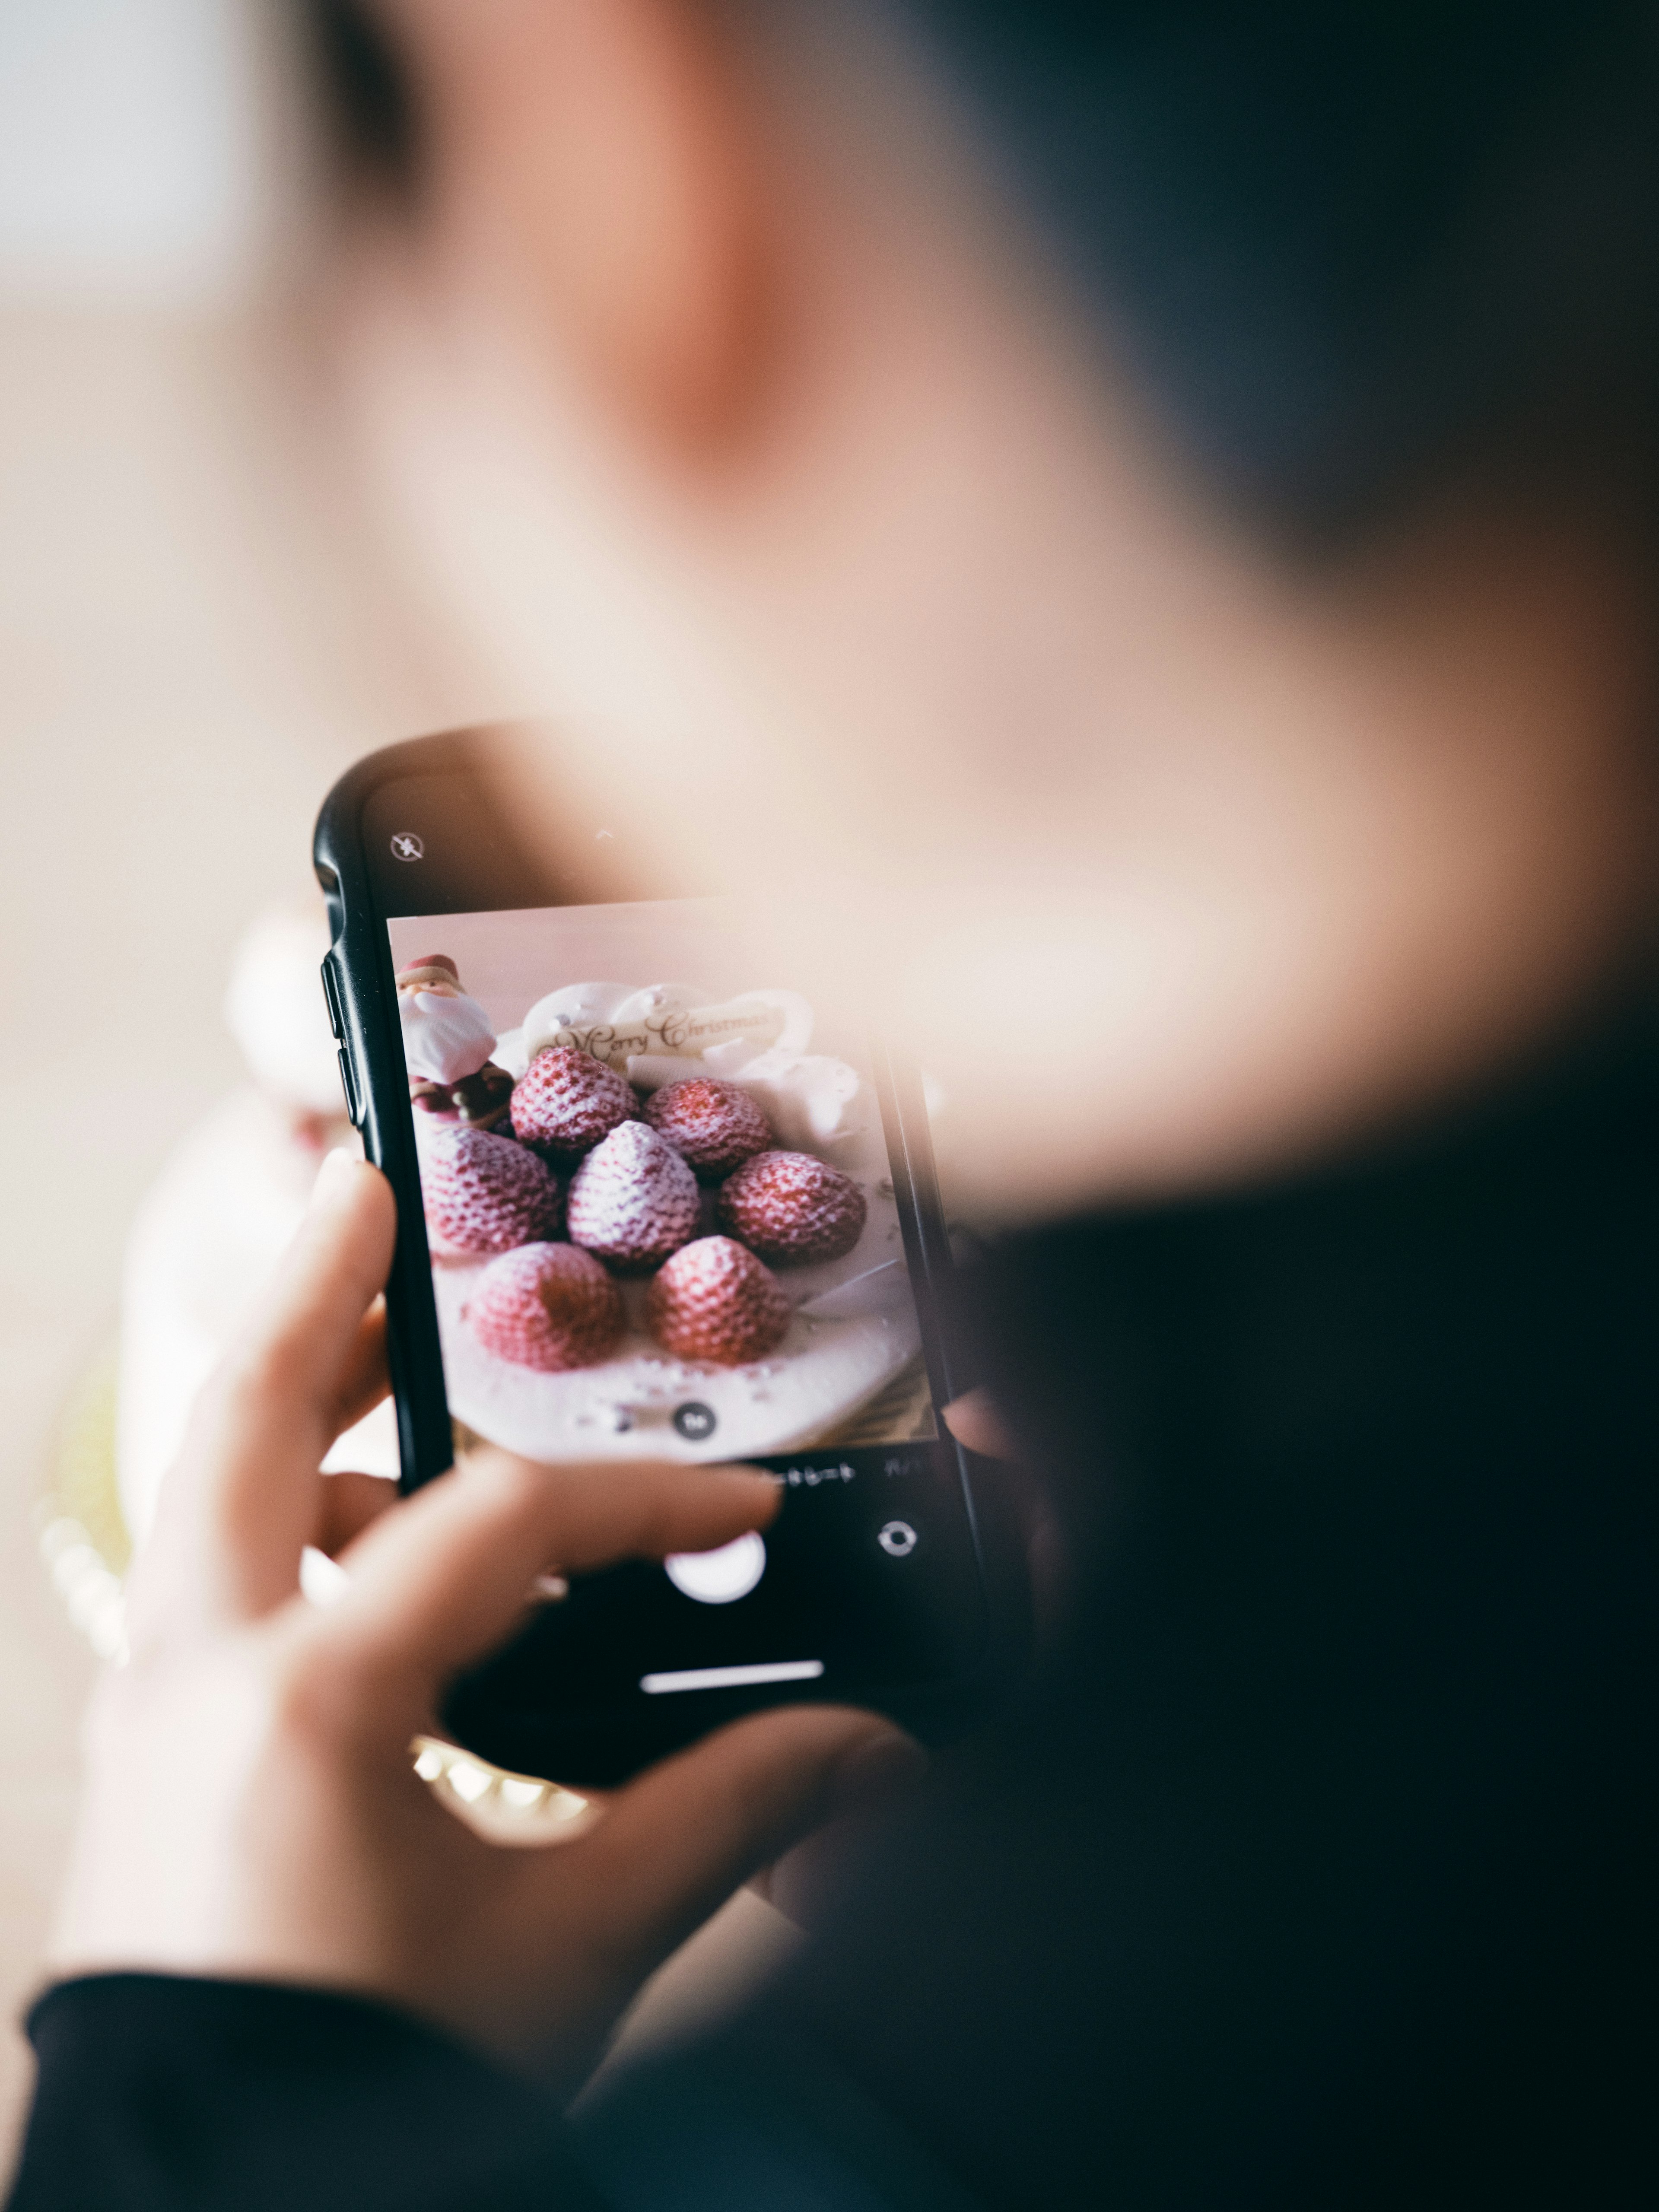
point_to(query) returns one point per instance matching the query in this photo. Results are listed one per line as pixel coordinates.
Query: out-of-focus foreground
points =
(198, 630)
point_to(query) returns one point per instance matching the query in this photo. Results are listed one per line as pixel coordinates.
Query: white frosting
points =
(653, 1071)
(445, 1038)
(795, 1013)
(578, 1008)
(510, 1054)
(619, 1022)
(810, 1100)
(655, 1006)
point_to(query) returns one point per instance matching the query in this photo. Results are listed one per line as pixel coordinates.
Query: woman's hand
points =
(251, 1808)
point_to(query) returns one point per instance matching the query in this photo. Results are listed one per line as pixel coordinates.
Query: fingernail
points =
(332, 1176)
(875, 1772)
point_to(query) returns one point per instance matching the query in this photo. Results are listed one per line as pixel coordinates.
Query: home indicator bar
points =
(732, 1678)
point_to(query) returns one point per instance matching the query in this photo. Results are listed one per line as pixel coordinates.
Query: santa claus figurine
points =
(448, 1041)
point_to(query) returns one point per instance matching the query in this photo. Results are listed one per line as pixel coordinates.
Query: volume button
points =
(354, 1110)
(331, 992)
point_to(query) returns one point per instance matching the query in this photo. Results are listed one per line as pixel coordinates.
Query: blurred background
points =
(200, 625)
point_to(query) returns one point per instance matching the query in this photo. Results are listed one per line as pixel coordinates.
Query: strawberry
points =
(634, 1199)
(715, 1126)
(715, 1301)
(565, 1101)
(791, 1208)
(546, 1306)
(485, 1194)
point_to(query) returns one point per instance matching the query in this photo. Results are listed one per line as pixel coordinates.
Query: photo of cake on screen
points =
(659, 1204)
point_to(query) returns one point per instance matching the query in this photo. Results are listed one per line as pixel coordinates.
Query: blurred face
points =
(728, 412)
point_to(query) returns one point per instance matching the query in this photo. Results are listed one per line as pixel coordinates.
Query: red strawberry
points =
(634, 1199)
(485, 1194)
(716, 1126)
(715, 1301)
(565, 1101)
(547, 1306)
(791, 1208)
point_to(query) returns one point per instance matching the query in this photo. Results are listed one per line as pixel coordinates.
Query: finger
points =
(443, 1580)
(973, 1419)
(347, 1503)
(241, 1505)
(365, 1379)
(677, 1842)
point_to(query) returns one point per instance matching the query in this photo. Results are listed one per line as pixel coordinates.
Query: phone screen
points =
(659, 1202)
(678, 1204)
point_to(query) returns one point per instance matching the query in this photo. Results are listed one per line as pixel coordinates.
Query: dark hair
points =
(1343, 247)
(370, 98)
(1347, 246)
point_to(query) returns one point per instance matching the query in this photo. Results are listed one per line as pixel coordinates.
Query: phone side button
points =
(354, 1110)
(331, 994)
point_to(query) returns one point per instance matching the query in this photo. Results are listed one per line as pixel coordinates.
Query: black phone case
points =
(599, 1747)
(359, 983)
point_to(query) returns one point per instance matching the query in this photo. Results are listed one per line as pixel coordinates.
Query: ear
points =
(601, 154)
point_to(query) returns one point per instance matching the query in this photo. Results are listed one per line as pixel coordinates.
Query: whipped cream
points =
(815, 1103)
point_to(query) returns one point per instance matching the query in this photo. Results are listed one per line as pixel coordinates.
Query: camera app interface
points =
(657, 1193)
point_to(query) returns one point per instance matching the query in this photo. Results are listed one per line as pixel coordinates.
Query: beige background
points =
(196, 632)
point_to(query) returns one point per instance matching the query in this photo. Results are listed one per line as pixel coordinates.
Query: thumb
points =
(973, 1419)
(674, 1844)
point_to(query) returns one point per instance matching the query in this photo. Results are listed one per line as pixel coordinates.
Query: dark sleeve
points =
(158, 2092)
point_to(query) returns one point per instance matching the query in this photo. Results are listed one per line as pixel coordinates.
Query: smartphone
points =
(658, 1198)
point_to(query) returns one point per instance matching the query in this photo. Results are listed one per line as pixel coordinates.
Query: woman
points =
(1158, 503)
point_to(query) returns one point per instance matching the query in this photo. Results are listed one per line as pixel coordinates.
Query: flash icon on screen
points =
(406, 846)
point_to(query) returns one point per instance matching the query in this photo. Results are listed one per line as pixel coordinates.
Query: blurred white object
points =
(139, 149)
(718, 1577)
(212, 1230)
(274, 1010)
